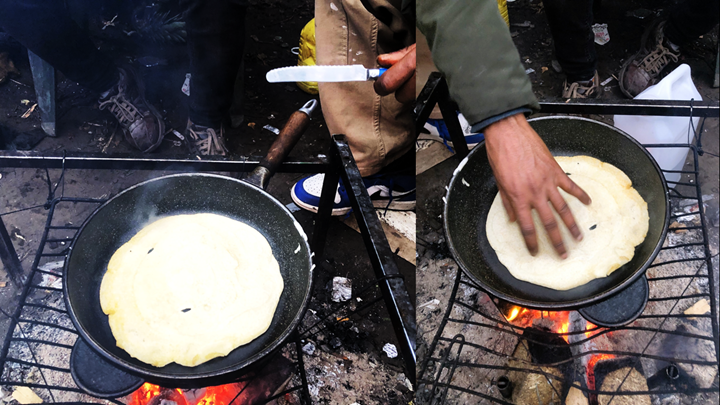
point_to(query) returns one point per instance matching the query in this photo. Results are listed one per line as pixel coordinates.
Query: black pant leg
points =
(571, 27)
(691, 19)
(215, 39)
(45, 28)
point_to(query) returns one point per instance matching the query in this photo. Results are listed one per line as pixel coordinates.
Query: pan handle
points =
(286, 140)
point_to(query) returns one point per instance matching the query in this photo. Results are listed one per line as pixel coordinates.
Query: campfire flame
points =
(561, 320)
(524, 317)
(149, 394)
(513, 313)
(563, 330)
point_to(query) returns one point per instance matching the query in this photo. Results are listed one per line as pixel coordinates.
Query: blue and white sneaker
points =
(392, 192)
(438, 132)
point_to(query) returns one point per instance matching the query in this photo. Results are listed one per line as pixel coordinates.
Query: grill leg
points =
(434, 92)
(395, 295)
(9, 256)
(304, 391)
(322, 220)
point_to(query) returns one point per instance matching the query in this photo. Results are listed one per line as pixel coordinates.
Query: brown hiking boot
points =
(642, 69)
(205, 141)
(141, 123)
(586, 89)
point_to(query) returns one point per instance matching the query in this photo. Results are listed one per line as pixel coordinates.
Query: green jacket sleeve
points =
(472, 47)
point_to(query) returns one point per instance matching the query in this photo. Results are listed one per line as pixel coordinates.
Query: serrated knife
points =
(344, 73)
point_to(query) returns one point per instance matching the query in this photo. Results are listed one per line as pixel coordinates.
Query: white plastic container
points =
(678, 85)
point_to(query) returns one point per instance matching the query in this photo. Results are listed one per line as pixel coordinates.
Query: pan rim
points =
(131, 368)
(565, 305)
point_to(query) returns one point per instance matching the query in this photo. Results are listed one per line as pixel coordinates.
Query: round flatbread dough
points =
(615, 222)
(189, 288)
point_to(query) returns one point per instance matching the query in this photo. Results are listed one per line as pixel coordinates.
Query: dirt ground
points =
(273, 28)
(436, 270)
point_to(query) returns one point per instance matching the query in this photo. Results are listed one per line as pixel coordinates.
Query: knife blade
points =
(348, 73)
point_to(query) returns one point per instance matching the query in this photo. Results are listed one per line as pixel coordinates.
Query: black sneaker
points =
(141, 123)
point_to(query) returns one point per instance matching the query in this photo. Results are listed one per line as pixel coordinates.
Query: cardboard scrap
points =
(25, 395)
(699, 308)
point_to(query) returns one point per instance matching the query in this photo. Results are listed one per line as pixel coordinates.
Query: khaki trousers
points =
(378, 129)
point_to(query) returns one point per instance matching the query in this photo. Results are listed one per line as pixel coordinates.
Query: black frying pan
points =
(121, 217)
(466, 211)
(116, 221)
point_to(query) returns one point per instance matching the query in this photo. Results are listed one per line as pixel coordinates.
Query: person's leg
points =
(45, 28)
(661, 44)
(690, 19)
(379, 129)
(215, 41)
(571, 27)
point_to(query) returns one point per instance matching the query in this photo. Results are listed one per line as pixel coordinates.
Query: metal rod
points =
(9, 257)
(441, 328)
(304, 391)
(397, 300)
(436, 92)
(667, 108)
(458, 339)
(426, 100)
(449, 111)
(98, 161)
(708, 262)
(25, 291)
(327, 200)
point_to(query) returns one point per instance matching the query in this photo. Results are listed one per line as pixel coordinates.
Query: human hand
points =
(400, 77)
(528, 177)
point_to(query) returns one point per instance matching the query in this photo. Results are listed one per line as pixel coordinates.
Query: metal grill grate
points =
(36, 351)
(477, 355)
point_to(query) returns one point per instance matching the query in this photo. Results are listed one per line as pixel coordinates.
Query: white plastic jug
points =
(678, 85)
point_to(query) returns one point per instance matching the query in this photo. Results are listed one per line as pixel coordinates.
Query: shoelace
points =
(125, 112)
(211, 145)
(574, 90)
(656, 60)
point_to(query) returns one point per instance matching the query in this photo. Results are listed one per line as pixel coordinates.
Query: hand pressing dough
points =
(615, 222)
(189, 288)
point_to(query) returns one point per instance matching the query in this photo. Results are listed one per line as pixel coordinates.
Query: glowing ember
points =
(588, 329)
(149, 394)
(591, 369)
(563, 330)
(595, 358)
(145, 393)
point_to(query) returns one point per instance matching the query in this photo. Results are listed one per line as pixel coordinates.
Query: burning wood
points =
(269, 381)
(149, 394)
